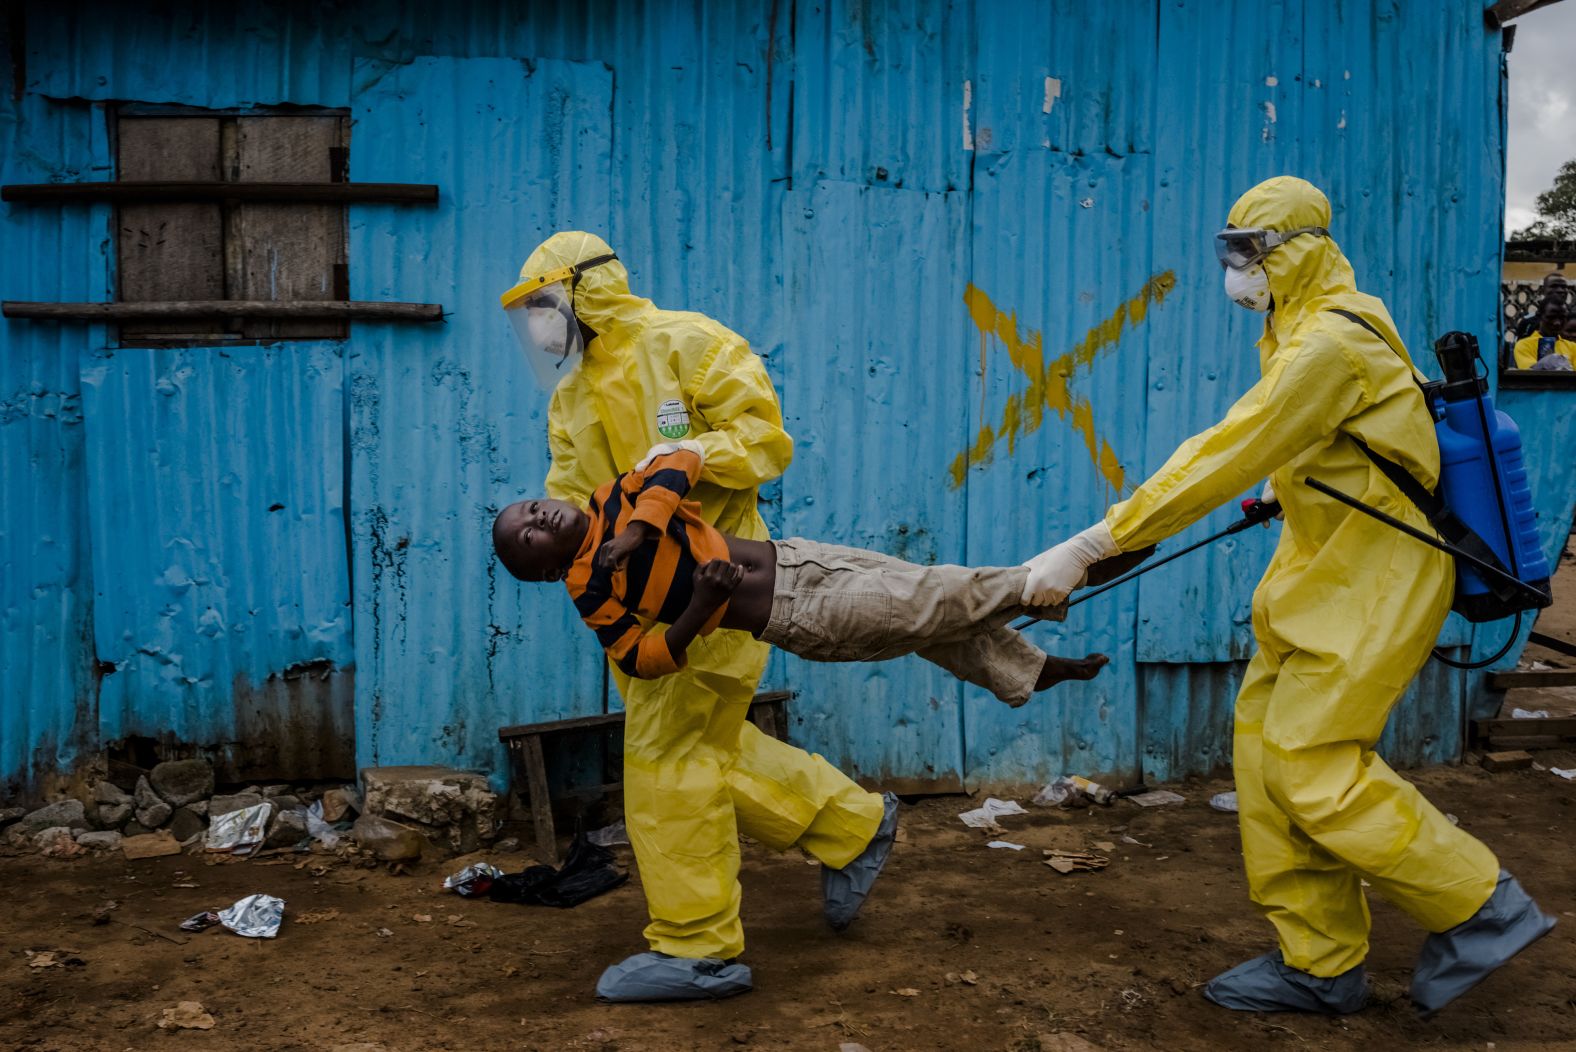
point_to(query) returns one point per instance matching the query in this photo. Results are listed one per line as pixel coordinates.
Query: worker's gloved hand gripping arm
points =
(1309, 389)
(655, 488)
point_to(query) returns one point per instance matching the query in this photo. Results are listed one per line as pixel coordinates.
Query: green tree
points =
(1556, 208)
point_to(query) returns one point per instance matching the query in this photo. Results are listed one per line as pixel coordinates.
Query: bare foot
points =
(1058, 669)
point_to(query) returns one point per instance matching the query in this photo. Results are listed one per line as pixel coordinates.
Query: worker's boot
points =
(845, 889)
(1268, 984)
(654, 976)
(1454, 961)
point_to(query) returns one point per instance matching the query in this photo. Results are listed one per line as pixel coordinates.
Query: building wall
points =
(908, 209)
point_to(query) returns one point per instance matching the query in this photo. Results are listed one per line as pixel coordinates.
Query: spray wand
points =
(1254, 512)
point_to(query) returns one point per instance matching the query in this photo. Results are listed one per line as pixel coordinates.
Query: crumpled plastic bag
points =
(473, 880)
(239, 832)
(589, 871)
(256, 916)
(319, 829)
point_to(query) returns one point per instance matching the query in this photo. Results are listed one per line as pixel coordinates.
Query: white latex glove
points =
(1055, 573)
(664, 448)
(1267, 495)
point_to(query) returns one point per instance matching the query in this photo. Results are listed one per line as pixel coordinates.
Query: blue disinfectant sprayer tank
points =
(1482, 477)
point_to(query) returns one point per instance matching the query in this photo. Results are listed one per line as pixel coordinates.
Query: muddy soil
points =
(960, 947)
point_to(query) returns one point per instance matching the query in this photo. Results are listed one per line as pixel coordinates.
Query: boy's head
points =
(1569, 331)
(537, 540)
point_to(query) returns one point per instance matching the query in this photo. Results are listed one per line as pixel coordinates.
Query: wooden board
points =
(286, 251)
(169, 251)
(181, 192)
(1553, 677)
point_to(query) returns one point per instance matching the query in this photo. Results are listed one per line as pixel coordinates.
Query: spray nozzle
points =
(1458, 357)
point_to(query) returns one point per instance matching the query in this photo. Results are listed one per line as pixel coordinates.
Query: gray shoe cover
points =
(1454, 961)
(1268, 984)
(656, 976)
(845, 889)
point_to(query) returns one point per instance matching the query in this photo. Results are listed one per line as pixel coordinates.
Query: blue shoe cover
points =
(656, 976)
(1454, 961)
(1268, 984)
(845, 889)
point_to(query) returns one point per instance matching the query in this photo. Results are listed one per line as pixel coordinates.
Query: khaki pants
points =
(833, 603)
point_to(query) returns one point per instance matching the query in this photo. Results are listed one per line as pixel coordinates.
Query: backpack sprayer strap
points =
(1433, 507)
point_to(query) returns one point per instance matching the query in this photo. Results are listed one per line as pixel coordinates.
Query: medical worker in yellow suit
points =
(1344, 618)
(629, 379)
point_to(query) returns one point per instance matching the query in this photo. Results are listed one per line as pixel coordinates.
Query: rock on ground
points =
(456, 810)
(387, 839)
(287, 830)
(223, 805)
(112, 805)
(185, 824)
(109, 840)
(57, 842)
(152, 811)
(69, 813)
(180, 782)
(10, 814)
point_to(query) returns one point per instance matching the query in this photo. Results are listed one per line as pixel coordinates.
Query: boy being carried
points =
(642, 551)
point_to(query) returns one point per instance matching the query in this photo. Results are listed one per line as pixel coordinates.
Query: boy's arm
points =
(653, 654)
(660, 486)
(657, 490)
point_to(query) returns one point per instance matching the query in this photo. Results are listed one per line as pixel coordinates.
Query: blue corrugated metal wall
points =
(971, 241)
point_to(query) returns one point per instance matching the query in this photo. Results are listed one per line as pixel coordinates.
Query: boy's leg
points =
(834, 603)
(999, 659)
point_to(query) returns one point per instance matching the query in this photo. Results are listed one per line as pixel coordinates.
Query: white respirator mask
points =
(1248, 287)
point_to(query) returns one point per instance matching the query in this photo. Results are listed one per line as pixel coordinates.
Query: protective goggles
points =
(1241, 247)
(541, 312)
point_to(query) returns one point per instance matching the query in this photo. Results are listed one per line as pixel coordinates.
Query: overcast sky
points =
(1542, 107)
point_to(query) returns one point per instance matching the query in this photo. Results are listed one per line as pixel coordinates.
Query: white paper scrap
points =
(1158, 798)
(1568, 775)
(1006, 844)
(1528, 714)
(984, 816)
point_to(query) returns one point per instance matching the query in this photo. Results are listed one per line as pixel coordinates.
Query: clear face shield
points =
(542, 314)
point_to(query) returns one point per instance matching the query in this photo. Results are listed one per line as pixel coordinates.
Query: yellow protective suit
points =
(1344, 617)
(696, 772)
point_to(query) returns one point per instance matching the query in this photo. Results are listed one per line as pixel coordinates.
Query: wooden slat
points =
(339, 309)
(1554, 677)
(169, 251)
(609, 719)
(286, 251)
(541, 801)
(1552, 727)
(190, 191)
(1553, 643)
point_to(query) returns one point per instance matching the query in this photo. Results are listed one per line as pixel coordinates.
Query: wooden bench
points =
(528, 759)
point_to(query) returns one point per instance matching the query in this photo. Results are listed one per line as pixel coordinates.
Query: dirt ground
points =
(1114, 958)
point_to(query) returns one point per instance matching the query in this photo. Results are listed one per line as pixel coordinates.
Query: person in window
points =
(1549, 348)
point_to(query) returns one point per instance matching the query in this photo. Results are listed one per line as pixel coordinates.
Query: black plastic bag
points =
(589, 871)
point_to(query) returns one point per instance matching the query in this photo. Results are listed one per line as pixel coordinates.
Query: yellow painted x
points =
(1048, 381)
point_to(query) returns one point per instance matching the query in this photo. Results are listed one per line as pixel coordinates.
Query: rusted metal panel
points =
(216, 515)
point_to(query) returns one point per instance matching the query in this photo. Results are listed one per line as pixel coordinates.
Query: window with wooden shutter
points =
(231, 249)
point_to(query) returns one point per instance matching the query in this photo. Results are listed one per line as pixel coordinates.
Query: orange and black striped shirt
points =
(658, 580)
